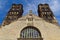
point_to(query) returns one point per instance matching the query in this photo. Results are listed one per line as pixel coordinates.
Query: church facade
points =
(30, 27)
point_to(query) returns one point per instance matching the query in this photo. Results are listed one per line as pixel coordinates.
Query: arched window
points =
(30, 32)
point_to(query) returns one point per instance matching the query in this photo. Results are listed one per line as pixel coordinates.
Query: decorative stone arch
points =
(30, 33)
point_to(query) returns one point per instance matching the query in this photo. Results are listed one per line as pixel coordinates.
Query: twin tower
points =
(16, 12)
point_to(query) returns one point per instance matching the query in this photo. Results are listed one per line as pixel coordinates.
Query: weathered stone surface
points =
(12, 31)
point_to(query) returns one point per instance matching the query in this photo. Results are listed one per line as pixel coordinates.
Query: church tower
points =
(30, 26)
(45, 12)
(14, 13)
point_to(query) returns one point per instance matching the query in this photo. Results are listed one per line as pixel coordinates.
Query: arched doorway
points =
(30, 33)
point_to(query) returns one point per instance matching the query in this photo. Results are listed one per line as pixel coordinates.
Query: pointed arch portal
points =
(30, 33)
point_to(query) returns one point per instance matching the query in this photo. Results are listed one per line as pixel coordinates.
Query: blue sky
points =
(5, 5)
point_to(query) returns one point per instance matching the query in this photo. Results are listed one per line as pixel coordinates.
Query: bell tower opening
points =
(46, 13)
(30, 33)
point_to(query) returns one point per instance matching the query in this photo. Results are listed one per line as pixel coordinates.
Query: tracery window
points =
(30, 32)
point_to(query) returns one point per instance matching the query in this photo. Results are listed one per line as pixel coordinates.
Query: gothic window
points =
(12, 12)
(17, 12)
(30, 32)
(13, 6)
(43, 9)
(13, 9)
(17, 9)
(46, 9)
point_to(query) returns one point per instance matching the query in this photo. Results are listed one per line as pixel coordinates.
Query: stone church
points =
(30, 27)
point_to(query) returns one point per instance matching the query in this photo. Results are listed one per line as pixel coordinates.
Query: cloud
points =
(55, 5)
(2, 4)
(33, 5)
(0, 7)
